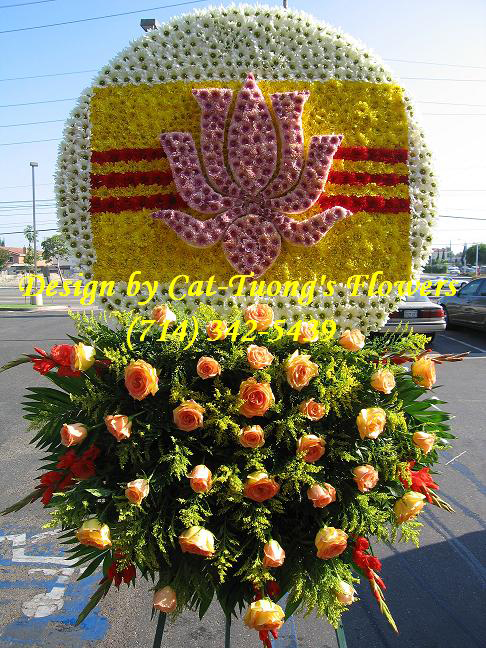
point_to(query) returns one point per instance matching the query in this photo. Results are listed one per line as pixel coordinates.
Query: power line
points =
(472, 67)
(31, 103)
(48, 121)
(52, 229)
(456, 114)
(448, 103)
(23, 4)
(437, 79)
(43, 76)
(38, 184)
(5, 202)
(52, 139)
(463, 217)
(115, 15)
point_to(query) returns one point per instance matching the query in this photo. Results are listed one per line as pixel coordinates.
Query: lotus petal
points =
(251, 245)
(198, 233)
(311, 230)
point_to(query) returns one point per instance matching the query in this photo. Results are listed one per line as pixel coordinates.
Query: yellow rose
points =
(94, 534)
(83, 357)
(307, 332)
(197, 540)
(371, 422)
(137, 490)
(366, 477)
(200, 478)
(321, 495)
(424, 441)
(141, 379)
(189, 416)
(261, 314)
(312, 447)
(352, 340)
(264, 615)
(408, 506)
(383, 381)
(258, 357)
(273, 554)
(257, 398)
(165, 599)
(423, 372)
(119, 425)
(300, 370)
(330, 542)
(162, 313)
(345, 593)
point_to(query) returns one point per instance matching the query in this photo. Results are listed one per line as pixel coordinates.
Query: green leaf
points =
(92, 566)
(100, 593)
(291, 606)
(99, 492)
(14, 363)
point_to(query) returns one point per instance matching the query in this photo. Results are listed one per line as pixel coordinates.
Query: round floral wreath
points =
(224, 44)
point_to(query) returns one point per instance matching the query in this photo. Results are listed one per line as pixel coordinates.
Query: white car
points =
(418, 314)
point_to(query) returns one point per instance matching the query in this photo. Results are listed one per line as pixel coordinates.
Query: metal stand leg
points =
(227, 632)
(160, 630)
(341, 637)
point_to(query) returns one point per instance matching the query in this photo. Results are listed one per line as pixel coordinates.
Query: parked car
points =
(416, 313)
(468, 306)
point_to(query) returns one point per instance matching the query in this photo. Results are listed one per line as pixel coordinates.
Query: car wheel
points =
(449, 325)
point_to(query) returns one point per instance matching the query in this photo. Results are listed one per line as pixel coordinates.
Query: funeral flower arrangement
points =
(241, 468)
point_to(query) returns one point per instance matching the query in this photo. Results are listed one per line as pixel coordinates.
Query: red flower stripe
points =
(366, 203)
(127, 154)
(381, 179)
(135, 203)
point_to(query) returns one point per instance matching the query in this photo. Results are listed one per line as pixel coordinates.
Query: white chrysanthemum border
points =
(274, 44)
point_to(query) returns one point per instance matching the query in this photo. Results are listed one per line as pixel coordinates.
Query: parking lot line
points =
(471, 346)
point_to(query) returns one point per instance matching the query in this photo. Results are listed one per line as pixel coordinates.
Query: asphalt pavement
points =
(436, 592)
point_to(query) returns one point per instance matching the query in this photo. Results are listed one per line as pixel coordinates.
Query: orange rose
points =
(424, 441)
(371, 422)
(165, 599)
(73, 434)
(162, 313)
(330, 542)
(260, 487)
(264, 616)
(188, 416)
(119, 425)
(345, 593)
(312, 410)
(308, 332)
(251, 436)
(312, 447)
(257, 398)
(217, 330)
(137, 490)
(383, 381)
(300, 370)
(94, 534)
(321, 495)
(366, 477)
(197, 540)
(261, 314)
(141, 379)
(200, 479)
(423, 372)
(208, 367)
(258, 357)
(352, 340)
(408, 506)
(274, 555)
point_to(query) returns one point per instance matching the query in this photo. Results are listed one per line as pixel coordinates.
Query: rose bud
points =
(424, 441)
(82, 357)
(321, 495)
(165, 599)
(274, 555)
(366, 477)
(352, 340)
(137, 490)
(251, 436)
(94, 534)
(307, 332)
(383, 381)
(312, 447)
(408, 506)
(345, 593)
(141, 379)
(300, 370)
(264, 616)
(119, 426)
(200, 479)
(371, 422)
(312, 410)
(189, 416)
(273, 589)
(217, 330)
(162, 313)
(73, 434)
(208, 367)
(260, 487)
(330, 542)
(261, 314)
(423, 372)
(197, 540)
(257, 398)
(258, 357)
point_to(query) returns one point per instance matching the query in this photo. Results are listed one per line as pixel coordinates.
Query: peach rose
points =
(261, 314)
(308, 332)
(423, 372)
(424, 441)
(321, 495)
(200, 479)
(162, 313)
(258, 357)
(273, 554)
(137, 490)
(345, 593)
(83, 357)
(257, 398)
(264, 616)
(352, 340)
(208, 367)
(73, 434)
(141, 379)
(383, 381)
(408, 506)
(188, 416)
(330, 542)
(217, 330)
(312, 447)
(312, 410)
(119, 425)
(371, 422)
(260, 487)
(300, 370)
(165, 599)
(94, 534)
(251, 436)
(197, 540)
(366, 477)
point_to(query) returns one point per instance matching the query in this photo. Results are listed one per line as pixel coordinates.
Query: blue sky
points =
(432, 31)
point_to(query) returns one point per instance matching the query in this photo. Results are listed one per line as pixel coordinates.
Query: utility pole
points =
(285, 4)
(35, 299)
(477, 260)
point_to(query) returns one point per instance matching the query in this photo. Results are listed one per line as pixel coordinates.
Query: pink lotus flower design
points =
(264, 179)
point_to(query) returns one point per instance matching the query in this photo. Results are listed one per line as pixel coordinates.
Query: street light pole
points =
(477, 260)
(35, 299)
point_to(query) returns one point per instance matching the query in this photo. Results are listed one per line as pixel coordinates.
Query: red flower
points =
(421, 481)
(273, 589)
(67, 371)
(62, 354)
(126, 575)
(43, 365)
(67, 460)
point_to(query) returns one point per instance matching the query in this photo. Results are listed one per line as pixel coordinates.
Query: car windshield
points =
(415, 298)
